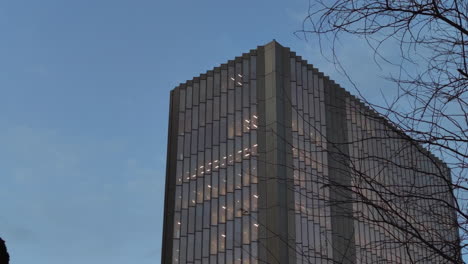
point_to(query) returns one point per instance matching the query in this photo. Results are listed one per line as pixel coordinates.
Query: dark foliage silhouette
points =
(4, 256)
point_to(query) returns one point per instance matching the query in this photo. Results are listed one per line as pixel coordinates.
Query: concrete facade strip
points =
(169, 199)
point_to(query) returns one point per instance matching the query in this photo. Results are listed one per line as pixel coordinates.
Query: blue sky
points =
(84, 88)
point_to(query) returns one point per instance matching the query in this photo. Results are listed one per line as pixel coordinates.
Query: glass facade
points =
(215, 195)
(398, 188)
(406, 181)
(215, 211)
(309, 148)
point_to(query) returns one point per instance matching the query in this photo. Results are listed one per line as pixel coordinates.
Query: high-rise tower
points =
(269, 161)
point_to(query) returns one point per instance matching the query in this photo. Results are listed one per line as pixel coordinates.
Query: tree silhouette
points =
(428, 112)
(4, 256)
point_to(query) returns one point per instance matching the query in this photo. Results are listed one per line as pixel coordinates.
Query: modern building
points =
(270, 161)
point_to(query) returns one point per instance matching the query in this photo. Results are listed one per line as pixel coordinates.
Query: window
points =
(214, 212)
(230, 126)
(238, 105)
(209, 87)
(206, 243)
(221, 237)
(183, 223)
(216, 133)
(193, 194)
(231, 152)
(254, 253)
(238, 204)
(253, 67)
(178, 198)
(238, 175)
(180, 172)
(175, 252)
(230, 206)
(198, 245)
(223, 155)
(196, 93)
(200, 186)
(238, 149)
(183, 250)
(202, 115)
(216, 108)
(214, 184)
(231, 102)
(253, 91)
(214, 240)
(245, 95)
(206, 214)
(222, 182)
(237, 239)
(253, 171)
(254, 197)
(224, 104)
(246, 200)
(215, 160)
(224, 80)
(253, 140)
(230, 178)
(245, 72)
(209, 131)
(186, 176)
(181, 99)
(202, 90)
(298, 72)
(209, 111)
(185, 196)
(246, 147)
(177, 225)
(245, 230)
(181, 123)
(229, 234)
(223, 131)
(245, 173)
(201, 139)
(222, 209)
(217, 83)
(190, 247)
(188, 101)
(231, 79)
(194, 142)
(254, 228)
(188, 121)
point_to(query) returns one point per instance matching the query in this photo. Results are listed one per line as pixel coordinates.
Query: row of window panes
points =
(312, 215)
(217, 82)
(216, 192)
(380, 149)
(196, 253)
(300, 130)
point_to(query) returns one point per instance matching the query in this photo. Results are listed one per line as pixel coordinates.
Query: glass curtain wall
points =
(312, 214)
(216, 192)
(216, 180)
(404, 175)
(395, 166)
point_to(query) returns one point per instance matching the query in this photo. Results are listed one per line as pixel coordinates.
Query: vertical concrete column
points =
(274, 134)
(339, 175)
(171, 164)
